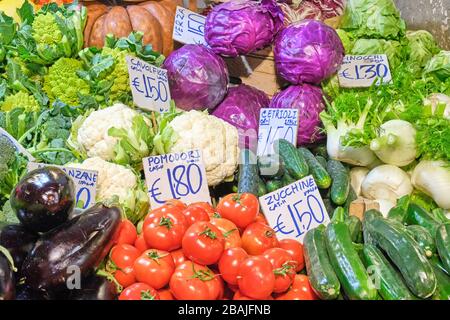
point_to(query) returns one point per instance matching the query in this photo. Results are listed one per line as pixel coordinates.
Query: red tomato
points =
(255, 277)
(261, 218)
(229, 231)
(257, 238)
(206, 206)
(164, 228)
(127, 233)
(241, 209)
(154, 267)
(165, 294)
(239, 296)
(195, 214)
(122, 258)
(229, 264)
(295, 249)
(300, 290)
(203, 243)
(192, 281)
(177, 203)
(178, 257)
(140, 243)
(283, 268)
(139, 291)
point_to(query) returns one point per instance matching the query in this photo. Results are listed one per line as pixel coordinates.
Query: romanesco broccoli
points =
(119, 75)
(20, 99)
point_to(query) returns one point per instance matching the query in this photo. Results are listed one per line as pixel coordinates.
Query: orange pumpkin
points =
(154, 18)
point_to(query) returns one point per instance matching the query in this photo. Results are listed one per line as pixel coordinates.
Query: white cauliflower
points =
(218, 140)
(118, 183)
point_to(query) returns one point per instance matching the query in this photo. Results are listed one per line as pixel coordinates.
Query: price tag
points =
(19, 147)
(293, 210)
(85, 183)
(276, 124)
(360, 71)
(149, 85)
(189, 27)
(179, 175)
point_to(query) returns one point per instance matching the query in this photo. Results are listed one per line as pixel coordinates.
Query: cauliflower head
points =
(93, 133)
(118, 184)
(217, 139)
(20, 99)
(63, 83)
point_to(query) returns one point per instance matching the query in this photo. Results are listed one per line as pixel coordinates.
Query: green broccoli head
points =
(63, 83)
(20, 99)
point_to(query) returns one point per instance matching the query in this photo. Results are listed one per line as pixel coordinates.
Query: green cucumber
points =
(368, 216)
(405, 253)
(321, 275)
(248, 180)
(418, 215)
(443, 245)
(388, 281)
(340, 187)
(320, 174)
(355, 227)
(443, 281)
(294, 162)
(439, 215)
(348, 266)
(339, 215)
(423, 238)
(399, 212)
(322, 161)
(271, 166)
(352, 196)
(274, 184)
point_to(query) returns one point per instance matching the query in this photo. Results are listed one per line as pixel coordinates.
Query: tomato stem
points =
(166, 222)
(146, 295)
(285, 270)
(226, 234)
(209, 233)
(203, 275)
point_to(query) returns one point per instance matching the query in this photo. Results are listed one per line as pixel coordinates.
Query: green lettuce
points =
(421, 47)
(392, 49)
(439, 66)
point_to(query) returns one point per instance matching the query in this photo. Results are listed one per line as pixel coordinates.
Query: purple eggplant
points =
(43, 199)
(71, 251)
(18, 241)
(94, 288)
(24, 292)
(7, 281)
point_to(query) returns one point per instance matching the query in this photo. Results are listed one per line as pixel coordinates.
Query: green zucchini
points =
(443, 281)
(274, 184)
(287, 179)
(439, 215)
(294, 162)
(388, 281)
(348, 266)
(271, 166)
(418, 215)
(262, 190)
(322, 161)
(321, 275)
(443, 245)
(405, 253)
(350, 198)
(340, 187)
(248, 180)
(369, 215)
(399, 212)
(355, 227)
(320, 174)
(329, 206)
(423, 238)
(339, 215)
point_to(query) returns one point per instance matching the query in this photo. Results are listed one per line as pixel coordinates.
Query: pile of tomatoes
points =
(198, 252)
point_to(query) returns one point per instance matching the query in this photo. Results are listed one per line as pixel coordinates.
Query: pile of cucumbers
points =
(405, 256)
(261, 175)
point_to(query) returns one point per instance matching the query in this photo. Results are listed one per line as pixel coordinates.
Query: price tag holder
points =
(19, 147)
(149, 85)
(85, 183)
(360, 71)
(189, 27)
(293, 210)
(276, 124)
(179, 176)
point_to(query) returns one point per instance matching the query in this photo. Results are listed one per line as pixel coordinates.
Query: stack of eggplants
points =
(55, 256)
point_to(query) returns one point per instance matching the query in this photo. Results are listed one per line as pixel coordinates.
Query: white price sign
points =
(189, 27)
(276, 124)
(19, 147)
(85, 183)
(149, 85)
(360, 71)
(180, 175)
(293, 210)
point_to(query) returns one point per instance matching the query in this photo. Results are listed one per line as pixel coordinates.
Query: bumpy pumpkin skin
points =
(154, 18)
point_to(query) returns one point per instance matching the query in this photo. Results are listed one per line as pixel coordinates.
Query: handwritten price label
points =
(149, 85)
(361, 71)
(295, 209)
(276, 124)
(189, 27)
(85, 183)
(17, 145)
(179, 176)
